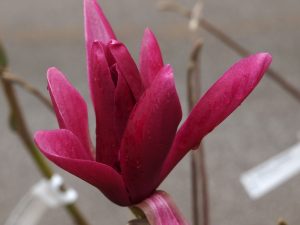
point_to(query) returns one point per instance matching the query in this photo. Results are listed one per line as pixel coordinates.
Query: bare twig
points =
(274, 75)
(138, 222)
(21, 129)
(169, 5)
(196, 16)
(27, 87)
(282, 222)
(193, 75)
(200, 200)
(229, 42)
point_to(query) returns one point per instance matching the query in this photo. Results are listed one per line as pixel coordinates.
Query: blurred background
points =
(40, 34)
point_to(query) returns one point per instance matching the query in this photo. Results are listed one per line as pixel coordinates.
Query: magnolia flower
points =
(137, 113)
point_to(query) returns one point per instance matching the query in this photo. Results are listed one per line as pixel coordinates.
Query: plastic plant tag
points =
(272, 173)
(49, 192)
(44, 195)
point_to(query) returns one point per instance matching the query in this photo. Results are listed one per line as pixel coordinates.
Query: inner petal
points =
(114, 74)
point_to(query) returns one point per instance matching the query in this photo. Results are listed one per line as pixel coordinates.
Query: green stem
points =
(139, 214)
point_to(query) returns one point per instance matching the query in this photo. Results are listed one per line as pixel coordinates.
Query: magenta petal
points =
(149, 135)
(151, 60)
(127, 67)
(102, 90)
(160, 209)
(70, 107)
(97, 26)
(65, 150)
(217, 103)
(124, 102)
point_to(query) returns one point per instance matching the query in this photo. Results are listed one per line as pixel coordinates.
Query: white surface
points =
(49, 192)
(267, 176)
(44, 195)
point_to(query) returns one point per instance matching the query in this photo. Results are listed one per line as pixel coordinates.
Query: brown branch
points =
(169, 5)
(229, 42)
(193, 75)
(28, 87)
(282, 222)
(200, 200)
(21, 129)
(138, 222)
(196, 15)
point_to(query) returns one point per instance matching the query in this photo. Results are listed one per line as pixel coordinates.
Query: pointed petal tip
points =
(51, 70)
(53, 73)
(167, 72)
(150, 60)
(114, 42)
(148, 31)
(169, 69)
(264, 57)
(262, 60)
(96, 24)
(37, 135)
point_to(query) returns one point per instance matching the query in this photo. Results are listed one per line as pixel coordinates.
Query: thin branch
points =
(200, 200)
(282, 222)
(169, 5)
(138, 222)
(21, 129)
(173, 6)
(28, 87)
(193, 75)
(227, 40)
(196, 15)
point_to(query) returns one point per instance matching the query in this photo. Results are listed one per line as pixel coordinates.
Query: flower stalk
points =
(18, 124)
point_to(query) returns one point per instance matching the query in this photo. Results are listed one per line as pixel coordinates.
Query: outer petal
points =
(151, 60)
(161, 210)
(127, 67)
(97, 26)
(66, 151)
(102, 91)
(217, 103)
(70, 107)
(149, 135)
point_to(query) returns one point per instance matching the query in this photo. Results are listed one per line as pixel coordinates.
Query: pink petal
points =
(127, 67)
(160, 209)
(102, 91)
(70, 107)
(65, 150)
(149, 135)
(96, 25)
(151, 60)
(217, 103)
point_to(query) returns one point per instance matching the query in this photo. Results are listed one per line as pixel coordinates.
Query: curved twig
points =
(169, 5)
(27, 87)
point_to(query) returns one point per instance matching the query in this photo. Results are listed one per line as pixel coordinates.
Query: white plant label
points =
(44, 195)
(265, 177)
